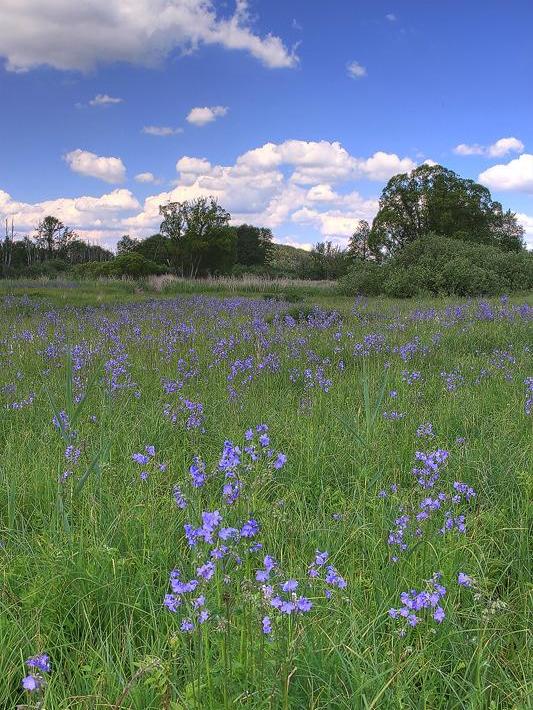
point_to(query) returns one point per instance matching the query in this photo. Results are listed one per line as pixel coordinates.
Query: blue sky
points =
(293, 114)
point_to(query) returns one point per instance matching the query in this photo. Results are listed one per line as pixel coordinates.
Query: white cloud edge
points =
(202, 115)
(274, 185)
(79, 36)
(106, 168)
(498, 149)
(356, 70)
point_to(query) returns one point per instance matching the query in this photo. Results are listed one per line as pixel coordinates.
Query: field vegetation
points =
(296, 500)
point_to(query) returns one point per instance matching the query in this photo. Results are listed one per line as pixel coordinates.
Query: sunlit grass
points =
(84, 576)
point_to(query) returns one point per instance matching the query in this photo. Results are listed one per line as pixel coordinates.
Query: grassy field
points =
(95, 292)
(174, 470)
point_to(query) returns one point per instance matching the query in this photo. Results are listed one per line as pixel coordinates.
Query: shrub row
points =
(439, 265)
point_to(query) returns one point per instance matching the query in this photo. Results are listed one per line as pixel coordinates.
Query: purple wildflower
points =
(464, 580)
(267, 625)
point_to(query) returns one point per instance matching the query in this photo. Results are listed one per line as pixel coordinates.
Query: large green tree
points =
(328, 261)
(254, 245)
(52, 235)
(433, 199)
(358, 244)
(126, 244)
(199, 233)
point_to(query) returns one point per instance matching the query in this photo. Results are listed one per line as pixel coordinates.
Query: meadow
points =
(211, 500)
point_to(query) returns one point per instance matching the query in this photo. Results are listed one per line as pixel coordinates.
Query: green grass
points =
(84, 571)
(85, 292)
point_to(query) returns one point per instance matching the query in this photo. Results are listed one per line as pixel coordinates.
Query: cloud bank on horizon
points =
(310, 110)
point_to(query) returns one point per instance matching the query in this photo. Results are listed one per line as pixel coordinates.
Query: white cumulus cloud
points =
(105, 100)
(527, 223)
(67, 35)
(145, 177)
(199, 116)
(161, 130)
(355, 70)
(514, 175)
(323, 162)
(98, 218)
(501, 147)
(465, 149)
(504, 146)
(307, 184)
(279, 183)
(108, 169)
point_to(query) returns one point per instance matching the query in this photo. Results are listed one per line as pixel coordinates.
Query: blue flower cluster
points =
(148, 462)
(414, 602)
(34, 682)
(415, 516)
(217, 548)
(188, 413)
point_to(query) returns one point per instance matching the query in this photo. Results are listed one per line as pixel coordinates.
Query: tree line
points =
(196, 239)
(52, 248)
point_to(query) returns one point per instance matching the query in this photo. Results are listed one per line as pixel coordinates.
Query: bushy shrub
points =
(130, 264)
(401, 284)
(135, 265)
(49, 268)
(463, 278)
(365, 277)
(439, 265)
(516, 270)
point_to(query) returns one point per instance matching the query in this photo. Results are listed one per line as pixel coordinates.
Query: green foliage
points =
(50, 268)
(327, 262)
(434, 199)
(52, 251)
(290, 261)
(460, 276)
(254, 245)
(126, 244)
(131, 264)
(160, 250)
(438, 265)
(401, 284)
(243, 270)
(364, 277)
(198, 230)
(358, 245)
(52, 235)
(92, 598)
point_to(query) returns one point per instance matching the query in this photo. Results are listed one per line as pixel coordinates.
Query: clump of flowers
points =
(384, 493)
(35, 681)
(452, 380)
(118, 376)
(222, 540)
(186, 412)
(61, 421)
(428, 473)
(411, 377)
(148, 462)
(439, 512)
(236, 463)
(393, 416)
(72, 455)
(291, 597)
(463, 580)
(214, 549)
(417, 606)
(425, 430)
